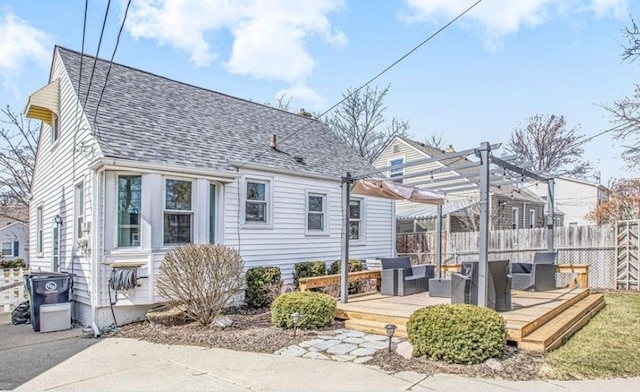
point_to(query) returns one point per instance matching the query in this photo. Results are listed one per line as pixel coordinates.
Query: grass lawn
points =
(609, 346)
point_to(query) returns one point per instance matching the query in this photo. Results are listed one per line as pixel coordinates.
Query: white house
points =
(575, 198)
(14, 241)
(151, 163)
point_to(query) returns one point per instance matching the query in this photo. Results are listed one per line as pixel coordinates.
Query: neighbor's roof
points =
(152, 119)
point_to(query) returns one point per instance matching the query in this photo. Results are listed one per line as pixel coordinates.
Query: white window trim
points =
(532, 218)
(11, 247)
(325, 211)
(404, 160)
(268, 198)
(116, 247)
(517, 223)
(39, 229)
(78, 211)
(363, 223)
(182, 212)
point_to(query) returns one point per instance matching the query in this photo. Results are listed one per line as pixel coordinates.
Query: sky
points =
(476, 81)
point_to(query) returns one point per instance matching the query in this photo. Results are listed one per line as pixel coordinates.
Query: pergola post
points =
(344, 267)
(483, 240)
(550, 213)
(439, 242)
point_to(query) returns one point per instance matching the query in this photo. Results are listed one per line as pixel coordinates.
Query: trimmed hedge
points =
(261, 283)
(308, 269)
(458, 333)
(316, 310)
(355, 265)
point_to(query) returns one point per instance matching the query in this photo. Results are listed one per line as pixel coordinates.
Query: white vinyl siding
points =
(57, 171)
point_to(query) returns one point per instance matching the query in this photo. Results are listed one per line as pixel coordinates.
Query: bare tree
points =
(283, 102)
(469, 217)
(550, 145)
(360, 121)
(18, 144)
(626, 111)
(436, 141)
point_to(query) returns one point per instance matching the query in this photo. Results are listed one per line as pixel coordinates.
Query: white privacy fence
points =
(12, 289)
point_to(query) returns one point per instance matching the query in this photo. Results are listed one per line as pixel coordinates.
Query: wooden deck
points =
(539, 321)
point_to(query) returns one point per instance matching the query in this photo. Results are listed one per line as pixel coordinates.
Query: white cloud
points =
(617, 8)
(498, 18)
(269, 37)
(20, 44)
(303, 96)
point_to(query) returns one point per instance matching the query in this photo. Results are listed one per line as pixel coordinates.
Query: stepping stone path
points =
(341, 345)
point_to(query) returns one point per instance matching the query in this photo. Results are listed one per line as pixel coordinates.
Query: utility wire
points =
(113, 55)
(95, 61)
(590, 138)
(429, 38)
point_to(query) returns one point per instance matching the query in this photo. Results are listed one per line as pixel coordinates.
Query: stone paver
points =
(343, 346)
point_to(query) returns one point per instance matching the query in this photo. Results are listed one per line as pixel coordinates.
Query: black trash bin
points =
(47, 288)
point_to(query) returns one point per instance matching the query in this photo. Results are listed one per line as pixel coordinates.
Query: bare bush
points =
(201, 279)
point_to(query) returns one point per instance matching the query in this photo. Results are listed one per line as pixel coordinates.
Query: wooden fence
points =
(12, 289)
(593, 245)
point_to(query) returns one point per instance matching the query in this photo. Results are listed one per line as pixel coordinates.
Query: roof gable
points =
(148, 118)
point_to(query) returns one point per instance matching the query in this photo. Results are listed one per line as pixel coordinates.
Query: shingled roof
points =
(153, 119)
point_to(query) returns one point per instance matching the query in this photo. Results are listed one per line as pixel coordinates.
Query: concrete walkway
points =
(127, 364)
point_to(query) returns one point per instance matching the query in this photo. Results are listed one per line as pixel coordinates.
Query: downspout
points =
(98, 188)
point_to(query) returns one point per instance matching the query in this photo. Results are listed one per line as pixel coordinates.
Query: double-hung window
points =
(394, 174)
(178, 212)
(514, 218)
(129, 193)
(39, 230)
(257, 202)
(316, 213)
(356, 230)
(78, 208)
(7, 248)
(532, 219)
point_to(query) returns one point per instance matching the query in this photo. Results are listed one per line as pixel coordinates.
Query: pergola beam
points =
(518, 170)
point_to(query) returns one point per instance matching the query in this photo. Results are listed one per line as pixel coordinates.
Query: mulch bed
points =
(252, 331)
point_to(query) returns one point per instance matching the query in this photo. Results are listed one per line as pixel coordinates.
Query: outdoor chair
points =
(464, 285)
(537, 276)
(400, 278)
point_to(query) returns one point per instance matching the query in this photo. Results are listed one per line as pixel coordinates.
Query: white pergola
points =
(492, 172)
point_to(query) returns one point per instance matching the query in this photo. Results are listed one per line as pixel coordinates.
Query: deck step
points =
(374, 327)
(559, 329)
(382, 318)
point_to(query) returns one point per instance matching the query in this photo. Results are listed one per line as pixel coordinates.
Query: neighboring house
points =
(163, 163)
(575, 198)
(14, 241)
(512, 207)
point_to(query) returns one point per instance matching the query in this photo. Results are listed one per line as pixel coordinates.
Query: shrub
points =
(263, 284)
(457, 333)
(354, 266)
(201, 279)
(15, 263)
(316, 309)
(308, 269)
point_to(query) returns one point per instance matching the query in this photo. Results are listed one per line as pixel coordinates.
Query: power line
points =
(590, 138)
(429, 38)
(113, 55)
(95, 61)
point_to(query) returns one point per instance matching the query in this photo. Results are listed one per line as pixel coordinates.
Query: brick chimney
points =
(304, 113)
(450, 149)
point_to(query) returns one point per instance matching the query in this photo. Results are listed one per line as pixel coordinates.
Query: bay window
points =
(129, 193)
(178, 212)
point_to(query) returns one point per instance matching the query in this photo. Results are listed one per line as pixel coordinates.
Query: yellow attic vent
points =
(44, 102)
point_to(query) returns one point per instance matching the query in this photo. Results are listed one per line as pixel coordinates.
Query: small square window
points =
(7, 249)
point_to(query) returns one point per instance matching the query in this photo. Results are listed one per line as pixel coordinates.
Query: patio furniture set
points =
(400, 278)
